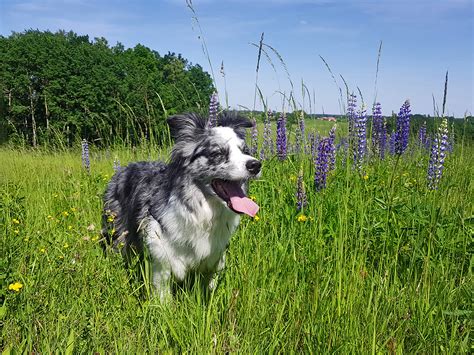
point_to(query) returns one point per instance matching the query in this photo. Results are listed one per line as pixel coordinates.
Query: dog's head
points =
(216, 158)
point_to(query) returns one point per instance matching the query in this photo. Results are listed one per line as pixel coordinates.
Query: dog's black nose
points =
(253, 166)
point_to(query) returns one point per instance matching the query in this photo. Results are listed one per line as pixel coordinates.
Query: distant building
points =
(329, 118)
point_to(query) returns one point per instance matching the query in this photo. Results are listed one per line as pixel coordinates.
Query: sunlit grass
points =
(363, 268)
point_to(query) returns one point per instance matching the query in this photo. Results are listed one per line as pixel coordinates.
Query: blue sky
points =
(421, 40)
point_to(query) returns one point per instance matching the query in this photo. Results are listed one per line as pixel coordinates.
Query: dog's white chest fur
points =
(190, 241)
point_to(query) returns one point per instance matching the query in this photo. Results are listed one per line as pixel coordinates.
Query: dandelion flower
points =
(15, 286)
(256, 218)
(15, 221)
(65, 213)
(43, 250)
(366, 177)
(302, 218)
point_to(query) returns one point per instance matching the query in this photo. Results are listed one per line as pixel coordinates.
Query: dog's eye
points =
(219, 152)
(245, 150)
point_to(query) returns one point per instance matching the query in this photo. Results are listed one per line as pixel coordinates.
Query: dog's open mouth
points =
(231, 192)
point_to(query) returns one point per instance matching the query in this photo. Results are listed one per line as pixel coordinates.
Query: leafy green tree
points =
(65, 85)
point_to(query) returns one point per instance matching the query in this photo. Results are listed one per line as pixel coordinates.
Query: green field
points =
(378, 263)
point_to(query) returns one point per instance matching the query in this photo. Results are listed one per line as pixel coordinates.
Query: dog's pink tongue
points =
(244, 205)
(239, 202)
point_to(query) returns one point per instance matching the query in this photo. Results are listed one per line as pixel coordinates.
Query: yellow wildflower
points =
(94, 238)
(366, 177)
(43, 250)
(66, 245)
(15, 221)
(16, 231)
(253, 198)
(302, 218)
(69, 227)
(50, 217)
(65, 213)
(73, 209)
(15, 286)
(110, 218)
(256, 218)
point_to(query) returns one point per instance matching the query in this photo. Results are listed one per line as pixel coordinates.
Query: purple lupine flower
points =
(403, 128)
(379, 131)
(300, 134)
(392, 142)
(281, 142)
(116, 164)
(213, 108)
(360, 147)
(312, 145)
(422, 137)
(86, 163)
(351, 118)
(301, 200)
(267, 146)
(451, 139)
(332, 148)
(303, 134)
(437, 156)
(254, 139)
(322, 164)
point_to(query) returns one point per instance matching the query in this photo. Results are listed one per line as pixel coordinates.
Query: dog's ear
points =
(233, 120)
(186, 125)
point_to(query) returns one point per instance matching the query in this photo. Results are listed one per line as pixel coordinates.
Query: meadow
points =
(375, 262)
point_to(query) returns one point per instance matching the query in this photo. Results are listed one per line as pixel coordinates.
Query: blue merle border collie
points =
(184, 212)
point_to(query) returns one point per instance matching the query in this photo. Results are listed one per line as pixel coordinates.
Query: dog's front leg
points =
(161, 275)
(212, 279)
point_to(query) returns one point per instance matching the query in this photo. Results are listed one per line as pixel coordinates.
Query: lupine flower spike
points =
(86, 163)
(422, 137)
(281, 142)
(254, 141)
(267, 147)
(322, 164)
(301, 200)
(213, 107)
(360, 128)
(379, 131)
(332, 148)
(351, 117)
(403, 128)
(437, 156)
(116, 164)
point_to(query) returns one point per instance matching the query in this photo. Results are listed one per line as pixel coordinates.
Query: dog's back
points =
(127, 200)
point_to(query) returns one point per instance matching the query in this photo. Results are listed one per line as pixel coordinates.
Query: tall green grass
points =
(372, 269)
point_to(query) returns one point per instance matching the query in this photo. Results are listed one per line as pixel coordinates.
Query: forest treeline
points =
(63, 86)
